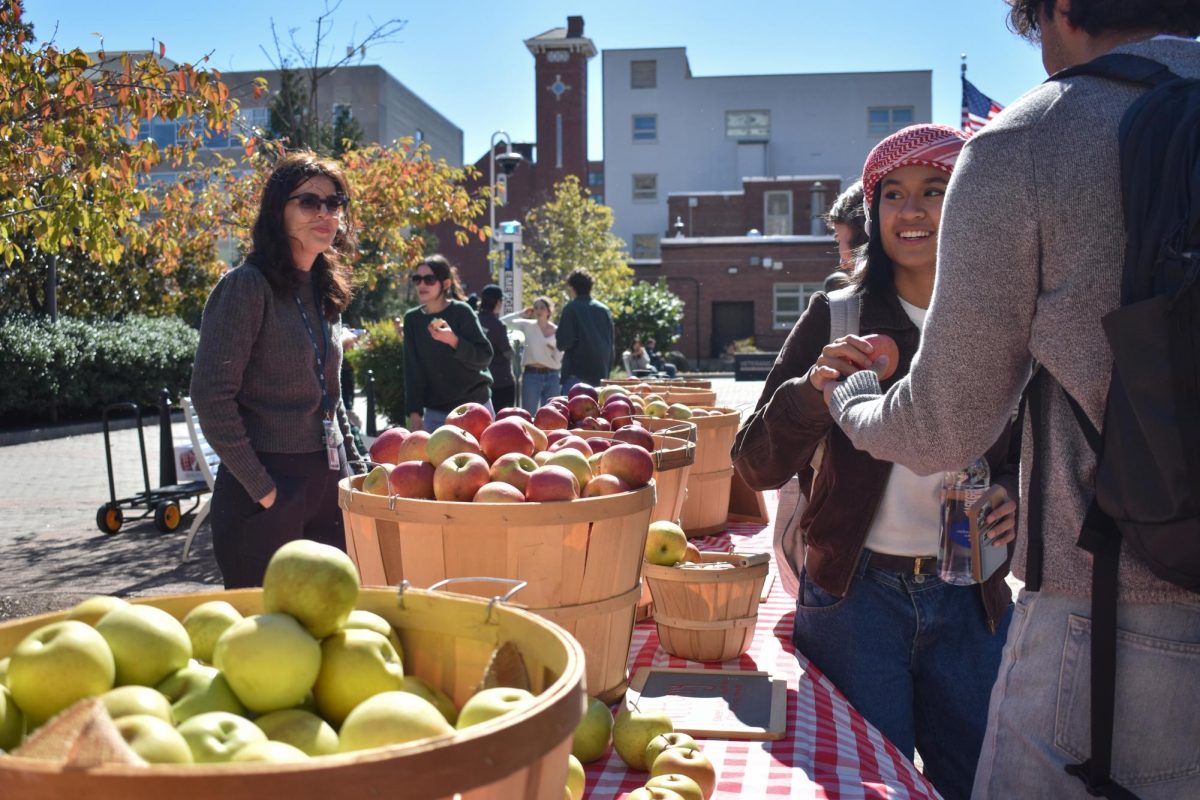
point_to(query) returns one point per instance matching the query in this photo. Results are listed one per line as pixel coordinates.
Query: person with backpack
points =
(1070, 238)
(915, 655)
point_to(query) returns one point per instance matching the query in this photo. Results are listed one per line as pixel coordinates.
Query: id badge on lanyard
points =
(332, 451)
(332, 454)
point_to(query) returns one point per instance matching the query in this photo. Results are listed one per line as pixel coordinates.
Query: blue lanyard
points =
(326, 403)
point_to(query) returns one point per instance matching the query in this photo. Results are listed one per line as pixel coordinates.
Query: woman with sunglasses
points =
(916, 656)
(541, 359)
(446, 352)
(266, 380)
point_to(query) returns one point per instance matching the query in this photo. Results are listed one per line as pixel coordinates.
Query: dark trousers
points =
(504, 397)
(246, 535)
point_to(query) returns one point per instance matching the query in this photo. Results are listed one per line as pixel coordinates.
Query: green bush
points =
(647, 310)
(383, 354)
(82, 366)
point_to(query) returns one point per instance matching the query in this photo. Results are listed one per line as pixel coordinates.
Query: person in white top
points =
(541, 359)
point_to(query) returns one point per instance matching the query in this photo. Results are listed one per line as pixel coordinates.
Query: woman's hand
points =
(528, 312)
(441, 332)
(840, 358)
(415, 422)
(268, 499)
(1003, 520)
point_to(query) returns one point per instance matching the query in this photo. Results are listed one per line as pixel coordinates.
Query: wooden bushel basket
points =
(707, 615)
(448, 640)
(691, 383)
(582, 559)
(706, 508)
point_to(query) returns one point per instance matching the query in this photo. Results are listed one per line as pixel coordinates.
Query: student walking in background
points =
(541, 359)
(266, 380)
(585, 335)
(847, 219)
(446, 353)
(504, 384)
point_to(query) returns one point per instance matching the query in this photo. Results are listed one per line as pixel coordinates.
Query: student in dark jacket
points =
(504, 384)
(585, 335)
(916, 656)
(446, 353)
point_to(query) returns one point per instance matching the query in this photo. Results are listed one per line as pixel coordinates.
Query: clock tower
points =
(561, 58)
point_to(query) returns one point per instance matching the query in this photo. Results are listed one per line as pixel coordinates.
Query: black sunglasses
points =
(312, 203)
(428, 280)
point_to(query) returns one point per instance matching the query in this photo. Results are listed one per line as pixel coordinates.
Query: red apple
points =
(582, 406)
(551, 484)
(459, 477)
(514, 411)
(505, 436)
(685, 761)
(583, 389)
(599, 444)
(549, 418)
(572, 442)
(447, 441)
(616, 409)
(471, 417)
(884, 345)
(634, 434)
(603, 485)
(413, 448)
(628, 462)
(513, 469)
(499, 492)
(554, 436)
(413, 479)
(386, 445)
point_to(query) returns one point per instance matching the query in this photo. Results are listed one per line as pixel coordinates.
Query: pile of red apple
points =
(517, 457)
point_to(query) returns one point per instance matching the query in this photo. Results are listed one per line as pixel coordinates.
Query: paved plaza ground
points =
(54, 555)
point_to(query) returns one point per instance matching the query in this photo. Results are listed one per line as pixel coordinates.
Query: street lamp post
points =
(510, 277)
(508, 162)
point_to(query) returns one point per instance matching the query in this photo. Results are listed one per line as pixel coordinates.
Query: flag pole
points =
(964, 65)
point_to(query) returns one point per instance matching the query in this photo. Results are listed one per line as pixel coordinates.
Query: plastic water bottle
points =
(960, 489)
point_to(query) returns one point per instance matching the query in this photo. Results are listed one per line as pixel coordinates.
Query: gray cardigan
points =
(254, 382)
(1030, 255)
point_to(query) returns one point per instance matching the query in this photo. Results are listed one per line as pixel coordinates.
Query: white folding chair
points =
(208, 462)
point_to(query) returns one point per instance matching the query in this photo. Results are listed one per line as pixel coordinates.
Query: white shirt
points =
(908, 520)
(539, 348)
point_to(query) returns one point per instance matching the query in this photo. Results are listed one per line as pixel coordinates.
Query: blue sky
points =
(466, 57)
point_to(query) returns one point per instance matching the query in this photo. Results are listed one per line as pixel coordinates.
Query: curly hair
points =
(271, 250)
(1179, 17)
(581, 281)
(848, 210)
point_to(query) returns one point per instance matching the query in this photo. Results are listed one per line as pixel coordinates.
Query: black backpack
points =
(1147, 491)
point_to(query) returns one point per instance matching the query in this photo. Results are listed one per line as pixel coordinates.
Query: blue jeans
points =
(568, 381)
(914, 656)
(433, 419)
(1039, 719)
(537, 388)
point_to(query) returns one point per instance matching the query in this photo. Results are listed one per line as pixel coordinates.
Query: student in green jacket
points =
(585, 335)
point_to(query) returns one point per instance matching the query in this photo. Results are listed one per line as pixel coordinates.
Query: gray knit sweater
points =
(254, 381)
(1029, 259)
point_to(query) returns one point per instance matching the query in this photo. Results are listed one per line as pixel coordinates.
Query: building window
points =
(257, 117)
(645, 187)
(342, 110)
(777, 213)
(748, 124)
(595, 179)
(882, 121)
(643, 74)
(790, 301)
(645, 245)
(598, 199)
(645, 127)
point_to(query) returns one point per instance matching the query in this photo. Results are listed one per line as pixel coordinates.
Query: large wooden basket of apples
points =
(352, 692)
(514, 498)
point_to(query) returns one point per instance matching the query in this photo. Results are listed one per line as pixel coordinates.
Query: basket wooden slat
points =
(448, 640)
(692, 383)
(706, 508)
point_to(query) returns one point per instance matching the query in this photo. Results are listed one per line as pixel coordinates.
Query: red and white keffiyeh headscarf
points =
(926, 145)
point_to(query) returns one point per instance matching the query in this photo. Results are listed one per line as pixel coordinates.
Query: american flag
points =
(977, 107)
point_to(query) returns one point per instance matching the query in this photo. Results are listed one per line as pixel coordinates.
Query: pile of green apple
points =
(512, 457)
(667, 545)
(310, 676)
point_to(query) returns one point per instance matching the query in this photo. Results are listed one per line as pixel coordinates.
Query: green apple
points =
(315, 583)
(434, 695)
(92, 609)
(653, 793)
(355, 664)
(154, 739)
(147, 643)
(205, 623)
(681, 785)
(198, 689)
(575, 778)
(371, 621)
(688, 762)
(57, 665)
(666, 543)
(12, 721)
(491, 703)
(214, 737)
(391, 718)
(4, 662)
(593, 733)
(633, 730)
(270, 660)
(301, 729)
(674, 739)
(270, 752)
(126, 701)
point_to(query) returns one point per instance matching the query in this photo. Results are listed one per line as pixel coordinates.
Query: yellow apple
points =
(198, 689)
(90, 611)
(270, 660)
(315, 583)
(633, 730)
(653, 793)
(360, 618)
(269, 752)
(441, 701)
(147, 643)
(594, 732)
(4, 662)
(576, 779)
(666, 543)
(126, 701)
(491, 703)
(692, 763)
(12, 721)
(214, 737)
(57, 665)
(355, 664)
(681, 785)
(205, 623)
(301, 729)
(673, 739)
(391, 718)
(154, 739)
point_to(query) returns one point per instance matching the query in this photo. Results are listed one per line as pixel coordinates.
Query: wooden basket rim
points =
(672, 452)
(736, 574)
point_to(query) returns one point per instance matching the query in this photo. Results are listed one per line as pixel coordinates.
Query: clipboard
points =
(713, 703)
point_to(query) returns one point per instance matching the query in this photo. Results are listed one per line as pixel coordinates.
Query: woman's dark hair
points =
(848, 210)
(1181, 17)
(271, 250)
(546, 301)
(875, 272)
(490, 297)
(443, 270)
(581, 281)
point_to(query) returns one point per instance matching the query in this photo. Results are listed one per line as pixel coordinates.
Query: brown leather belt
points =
(909, 565)
(534, 368)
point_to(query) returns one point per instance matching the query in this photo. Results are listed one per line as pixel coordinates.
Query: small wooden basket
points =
(706, 509)
(691, 383)
(708, 614)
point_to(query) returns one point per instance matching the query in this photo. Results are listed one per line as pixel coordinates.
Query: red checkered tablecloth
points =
(830, 751)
